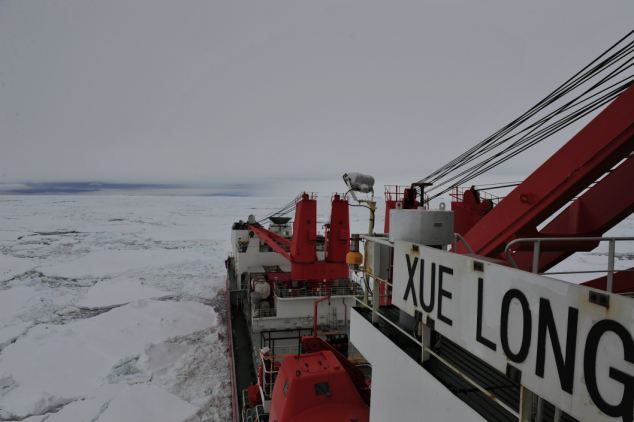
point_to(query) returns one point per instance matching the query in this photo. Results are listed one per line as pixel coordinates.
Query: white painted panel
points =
(401, 389)
(456, 286)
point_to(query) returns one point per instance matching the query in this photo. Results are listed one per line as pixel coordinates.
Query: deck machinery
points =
(458, 321)
(290, 300)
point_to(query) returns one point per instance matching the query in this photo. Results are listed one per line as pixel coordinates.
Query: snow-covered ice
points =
(11, 266)
(112, 308)
(119, 291)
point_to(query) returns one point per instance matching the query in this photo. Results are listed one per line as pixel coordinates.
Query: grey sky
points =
(215, 91)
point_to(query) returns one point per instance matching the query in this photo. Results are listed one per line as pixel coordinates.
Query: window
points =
(322, 388)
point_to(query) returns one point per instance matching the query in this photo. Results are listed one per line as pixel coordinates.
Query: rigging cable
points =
(572, 83)
(532, 127)
(286, 209)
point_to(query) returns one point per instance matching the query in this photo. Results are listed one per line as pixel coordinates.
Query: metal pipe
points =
(345, 314)
(536, 252)
(372, 212)
(315, 305)
(376, 300)
(538, 240)
(610, 281)
(458, 237)
(540, 410)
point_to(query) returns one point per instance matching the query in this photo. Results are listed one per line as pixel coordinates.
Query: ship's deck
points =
(242, 353)
(486, 376)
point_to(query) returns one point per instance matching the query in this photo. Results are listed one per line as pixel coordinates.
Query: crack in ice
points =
(54, 407)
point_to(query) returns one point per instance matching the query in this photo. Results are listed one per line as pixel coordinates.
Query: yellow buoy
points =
(354, 258)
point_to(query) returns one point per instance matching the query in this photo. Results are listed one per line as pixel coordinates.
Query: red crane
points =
(590, 176)
(301, 250)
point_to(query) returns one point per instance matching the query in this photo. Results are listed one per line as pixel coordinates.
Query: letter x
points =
(411, 269)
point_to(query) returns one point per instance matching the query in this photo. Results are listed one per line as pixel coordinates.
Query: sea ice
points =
(118, 291)
(104, 262)
(101, 293)
(76, 358)
(147, 403)
(11, 266)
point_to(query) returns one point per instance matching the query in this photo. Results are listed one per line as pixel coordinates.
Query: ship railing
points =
(352, 289)
(252, 413)
(264, 312)
(281, 351)
(426, 349)
(372, 302)
(284, 342)
(458, 238)
(457, 194)
(270, 367)
(537, 249)
(256, 414)
(244, 283)
(247, 411)
(396, 193)
(260, 414)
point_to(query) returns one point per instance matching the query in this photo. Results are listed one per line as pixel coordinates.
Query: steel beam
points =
(592, 214)
(271, 239)
(598, 147)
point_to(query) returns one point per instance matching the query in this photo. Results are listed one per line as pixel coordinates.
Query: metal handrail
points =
(458, 237)
(269, 375)
(537, 241)
(264, 313)
(350, 290)
(490, 395)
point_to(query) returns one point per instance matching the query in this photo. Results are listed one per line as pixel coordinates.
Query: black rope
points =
(286, 209)
(598, 84)
(570, 84)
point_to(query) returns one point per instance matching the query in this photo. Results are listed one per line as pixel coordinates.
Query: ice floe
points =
(119, 291)
(76, 358)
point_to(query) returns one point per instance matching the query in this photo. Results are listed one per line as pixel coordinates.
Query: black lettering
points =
(565, 366)
(520, 356)
(411, 269)
(442, 293)
(624, 408)
(427, 307)
(479, 337)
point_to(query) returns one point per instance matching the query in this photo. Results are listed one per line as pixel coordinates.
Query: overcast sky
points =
(208, 91)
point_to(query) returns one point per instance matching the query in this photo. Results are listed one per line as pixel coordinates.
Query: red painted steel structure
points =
(592, 214)
(602, 148)
(338, 231)
(278, 243)
(301, 251)
(316, 312)
(469, 208)
(304, 244)
(316, 344)
(394, 195)
(315, 387)
(598, 147)
(621, 284)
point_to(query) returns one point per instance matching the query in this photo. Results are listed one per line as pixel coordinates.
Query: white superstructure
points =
(466, 339)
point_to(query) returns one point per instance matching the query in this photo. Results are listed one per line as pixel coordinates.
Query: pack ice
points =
(112, 307)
